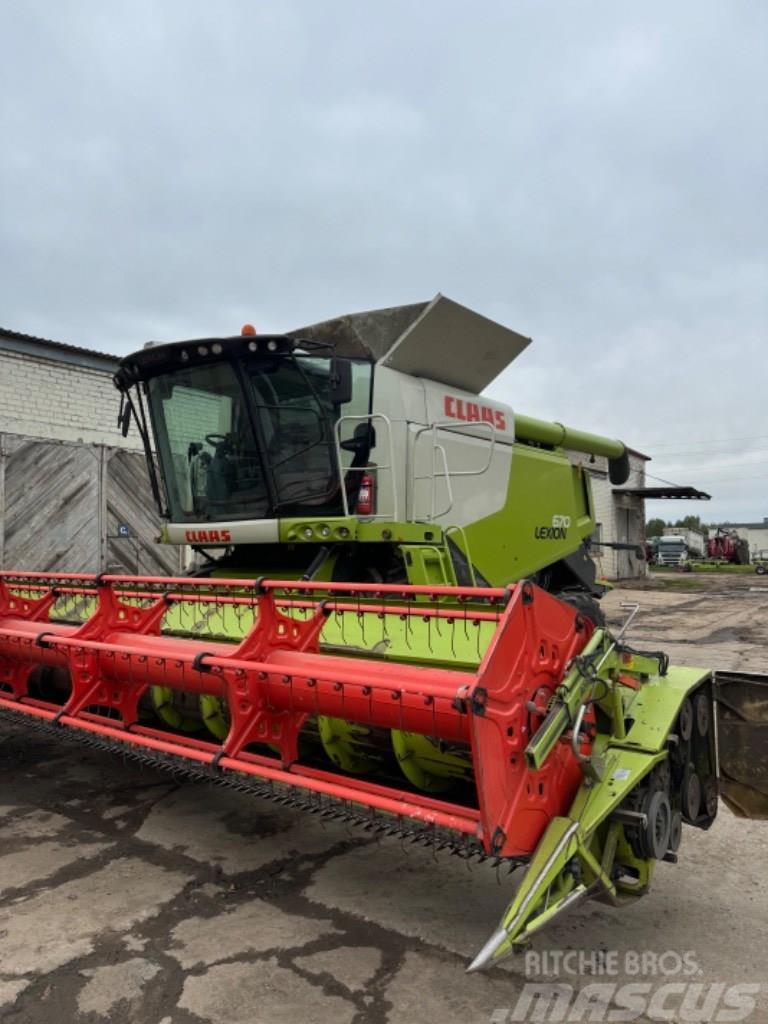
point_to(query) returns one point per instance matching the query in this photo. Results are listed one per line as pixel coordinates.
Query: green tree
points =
(692, 523)
(654, 528)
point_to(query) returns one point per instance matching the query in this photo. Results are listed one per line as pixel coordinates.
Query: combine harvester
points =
(396, 618)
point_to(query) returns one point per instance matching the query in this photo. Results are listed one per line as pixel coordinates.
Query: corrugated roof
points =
(745, 526)
(20, 336)
(62, 351)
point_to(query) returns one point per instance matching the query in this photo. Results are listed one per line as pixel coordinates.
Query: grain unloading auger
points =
(396, 620)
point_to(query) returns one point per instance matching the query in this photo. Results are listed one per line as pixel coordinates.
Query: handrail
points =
(447, 473)
(390, 466)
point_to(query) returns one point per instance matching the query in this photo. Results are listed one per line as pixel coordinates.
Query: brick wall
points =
(62, 401)
(193, 414)
(620, 517)
(605, 517)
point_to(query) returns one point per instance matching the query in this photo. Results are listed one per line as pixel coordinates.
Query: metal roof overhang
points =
(691, 493)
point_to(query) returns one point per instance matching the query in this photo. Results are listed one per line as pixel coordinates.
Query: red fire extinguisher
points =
(365, 496)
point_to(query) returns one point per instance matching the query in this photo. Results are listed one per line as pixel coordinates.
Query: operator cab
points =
(244, 427)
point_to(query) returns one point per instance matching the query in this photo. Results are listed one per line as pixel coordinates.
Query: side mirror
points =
(341, 381)
(361, 443)
(124, 416)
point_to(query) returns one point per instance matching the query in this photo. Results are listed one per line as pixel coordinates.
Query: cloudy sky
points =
(592, 174)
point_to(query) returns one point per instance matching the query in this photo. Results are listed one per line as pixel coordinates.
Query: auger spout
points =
(544, 432)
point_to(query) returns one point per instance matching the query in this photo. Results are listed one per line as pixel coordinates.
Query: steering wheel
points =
(216, 439)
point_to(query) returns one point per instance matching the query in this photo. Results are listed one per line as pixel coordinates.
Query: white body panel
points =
(243, 531)
(451, 450)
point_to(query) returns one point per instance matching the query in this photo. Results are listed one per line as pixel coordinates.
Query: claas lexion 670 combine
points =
(394, 619)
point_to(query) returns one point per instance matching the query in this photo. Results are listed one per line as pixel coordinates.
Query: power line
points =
(711, 440)
(719, 470)
(670, 483)
(717, 466)
(711, 451)
(763, 480)
(735, 480)
(716, 479)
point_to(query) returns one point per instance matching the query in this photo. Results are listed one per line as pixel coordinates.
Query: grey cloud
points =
(592, 174)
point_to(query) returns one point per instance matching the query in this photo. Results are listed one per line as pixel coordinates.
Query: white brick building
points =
(61, 392)
(619, 516)
(74, 493)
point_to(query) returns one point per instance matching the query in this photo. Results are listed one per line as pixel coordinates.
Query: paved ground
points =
(719, 621)
(128, 897)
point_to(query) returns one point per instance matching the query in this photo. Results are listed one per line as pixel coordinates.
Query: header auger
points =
(393, 616)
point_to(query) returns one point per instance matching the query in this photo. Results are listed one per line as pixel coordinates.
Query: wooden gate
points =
(64, 505)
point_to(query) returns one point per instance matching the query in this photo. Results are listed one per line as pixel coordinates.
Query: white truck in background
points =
(679, 544)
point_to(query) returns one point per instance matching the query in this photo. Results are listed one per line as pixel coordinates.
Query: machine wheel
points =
(676, 831)
(711, 794)
(586, 605)
(656, 834)
(760, 570)
(703, 714)
(685, 720)
(651, 798)
(691, 795)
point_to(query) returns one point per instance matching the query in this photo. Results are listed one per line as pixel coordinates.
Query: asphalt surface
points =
(126, 895)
